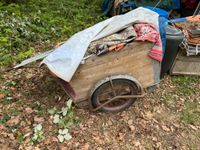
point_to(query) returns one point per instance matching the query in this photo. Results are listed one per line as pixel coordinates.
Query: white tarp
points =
(64, 61)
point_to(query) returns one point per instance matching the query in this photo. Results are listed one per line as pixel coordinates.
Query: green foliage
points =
(35, 25)
(38, 134)
(39, 108)
(64, 119)
(8, 96)
(4, 119)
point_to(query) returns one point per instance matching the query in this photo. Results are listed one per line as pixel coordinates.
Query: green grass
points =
(36, 25)
(185, 85)
(191, 113)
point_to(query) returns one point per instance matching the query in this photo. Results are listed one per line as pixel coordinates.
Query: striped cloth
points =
(149, 32)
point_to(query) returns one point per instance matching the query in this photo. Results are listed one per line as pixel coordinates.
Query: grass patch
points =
(36, 25)
(185, 85)
(191, 113)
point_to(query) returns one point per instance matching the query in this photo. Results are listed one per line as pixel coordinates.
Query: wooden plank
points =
(186, 65)
(132, 60)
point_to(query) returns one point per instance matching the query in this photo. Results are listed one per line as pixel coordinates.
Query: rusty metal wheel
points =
(114, 88)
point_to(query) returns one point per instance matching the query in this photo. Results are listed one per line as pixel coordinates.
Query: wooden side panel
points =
(132, 60)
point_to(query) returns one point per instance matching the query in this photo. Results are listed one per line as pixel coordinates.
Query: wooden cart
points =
(113, 81)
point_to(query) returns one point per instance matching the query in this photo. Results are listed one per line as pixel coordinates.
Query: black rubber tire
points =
(134, 91)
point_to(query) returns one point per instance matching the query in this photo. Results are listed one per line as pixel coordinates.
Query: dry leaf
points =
(132, 128)
(36, 148)
(158, 145)
(2, 127)
(121, 136)
(97, 140)
(130, 122)
(13, 121)
(13, 89)
(28, 110)
(154, 139)
(148, 115)
(76, 145)
(99, 148)
(109, 122)
(47, 141)
(11, 136)
(136, 143)
(193, 127)
(38, 119)
(86, 147)
(165, 128)
(1, 96)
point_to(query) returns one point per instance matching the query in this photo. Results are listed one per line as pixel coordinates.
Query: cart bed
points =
(131, 60)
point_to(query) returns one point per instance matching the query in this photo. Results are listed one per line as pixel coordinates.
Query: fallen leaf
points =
(28, 110)
(97, 140)
(54, 139)
(13, 121)
(13, 89)
(109, 122)
(148, 115)
(38, 119)
(27, 135)
(193, 127)
(85, 147)
(11, 136)
(36, 148)
(132, 128)
(62, 147)
(47, 141)
(165, 128)
(130, 122)
(176, 125)
(1, 96)
(121, 136)
(2, 127)
(154, 139)
(76, 145)
(136, 143)
(158, 145)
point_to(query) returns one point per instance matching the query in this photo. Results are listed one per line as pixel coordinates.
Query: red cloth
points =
(149, 32)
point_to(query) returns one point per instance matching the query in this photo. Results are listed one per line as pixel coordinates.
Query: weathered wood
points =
(132, 60)
(186, 65)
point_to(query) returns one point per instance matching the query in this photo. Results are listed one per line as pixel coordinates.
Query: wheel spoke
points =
(112, 87)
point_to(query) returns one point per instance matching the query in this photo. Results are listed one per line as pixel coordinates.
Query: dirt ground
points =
(167, 119)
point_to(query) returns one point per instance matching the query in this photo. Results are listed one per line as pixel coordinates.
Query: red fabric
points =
(148, 32)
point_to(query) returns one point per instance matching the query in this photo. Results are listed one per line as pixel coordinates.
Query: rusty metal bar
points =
(117, 97)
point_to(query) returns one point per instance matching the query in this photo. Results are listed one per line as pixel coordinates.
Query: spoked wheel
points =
(112, 89)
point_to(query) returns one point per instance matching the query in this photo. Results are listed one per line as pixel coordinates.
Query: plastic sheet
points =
(64, 61)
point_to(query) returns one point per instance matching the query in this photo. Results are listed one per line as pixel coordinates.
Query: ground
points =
(168, 118)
